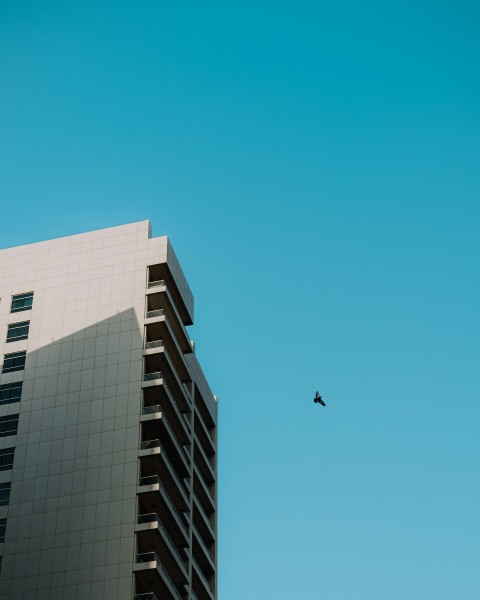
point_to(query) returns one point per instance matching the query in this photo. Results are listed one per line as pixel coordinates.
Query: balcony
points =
(160, 395)
(152, 575)
(203, 411)
(160, 280)
(203, 433)
(203, 463)
(153, 498)
(152, 534)
(202, 553)
(202, 492)
(202, 522)
(158, 365)
(201, 583)
(154, 461)
(155, 425)
(161, 310)
(160, 331)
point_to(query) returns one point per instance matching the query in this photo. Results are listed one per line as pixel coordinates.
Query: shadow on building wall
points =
(71, 512)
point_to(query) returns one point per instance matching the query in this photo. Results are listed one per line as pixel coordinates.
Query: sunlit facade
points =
(107, 424)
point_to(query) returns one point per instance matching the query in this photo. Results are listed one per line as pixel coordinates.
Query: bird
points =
(318, 399)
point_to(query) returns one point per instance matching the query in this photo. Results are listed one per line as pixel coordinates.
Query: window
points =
(22, 302)
(14, 362)
(6, 458)
(5, 493)
(18, 331)
(10, 392)
(3, 526)
(8, 425)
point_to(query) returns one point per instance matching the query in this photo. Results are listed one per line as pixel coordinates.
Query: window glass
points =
(18, 331)
(3, 526)
(5, 493)
(10, 392)
(8, 425)
(6, 458)
(14, 362)
(22, 302)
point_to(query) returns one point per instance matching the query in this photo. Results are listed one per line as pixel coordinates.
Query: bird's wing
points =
(317, 395)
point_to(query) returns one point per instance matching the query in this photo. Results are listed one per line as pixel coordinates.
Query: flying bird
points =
(318, 399)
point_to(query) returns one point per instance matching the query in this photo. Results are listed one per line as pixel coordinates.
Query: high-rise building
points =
(107, 424)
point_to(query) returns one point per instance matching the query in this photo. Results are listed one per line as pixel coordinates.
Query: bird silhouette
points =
(318, 399)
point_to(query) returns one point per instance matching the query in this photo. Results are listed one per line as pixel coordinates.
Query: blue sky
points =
(316, 167)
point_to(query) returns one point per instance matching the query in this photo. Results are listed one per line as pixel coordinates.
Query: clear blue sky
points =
(316, 165)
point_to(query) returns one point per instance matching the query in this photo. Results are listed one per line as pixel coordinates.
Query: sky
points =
(315, 165)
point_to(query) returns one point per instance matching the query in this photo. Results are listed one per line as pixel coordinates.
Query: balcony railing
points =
(150, 444)
(147, 444)
(154, 344)
(150, 480)
(177, 408)
(159, 312)
(148, 410)
(198, 416)
(203, 486)
(148, 518)
(154, 479)
(160, 282)
(202, 575)
(183, 387)
(154, 518)
(206, 462)
(147, 596)
(180, 480)
(204, 547)
(152, 557)
(152, 376)
(185, 456)
(201, 510)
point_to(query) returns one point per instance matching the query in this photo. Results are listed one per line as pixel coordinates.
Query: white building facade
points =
(108, 466)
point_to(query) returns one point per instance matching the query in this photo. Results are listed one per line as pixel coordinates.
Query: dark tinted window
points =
(3, 526)
(18, 331)
(8, 425)
(10, 392)
(5, 493)
(22, 302)
(6, 458)
(14, 362)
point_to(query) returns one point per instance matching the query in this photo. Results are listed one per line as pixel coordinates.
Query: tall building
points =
(107, 424)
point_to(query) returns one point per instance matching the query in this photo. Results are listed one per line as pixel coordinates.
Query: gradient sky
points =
(316, 165)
